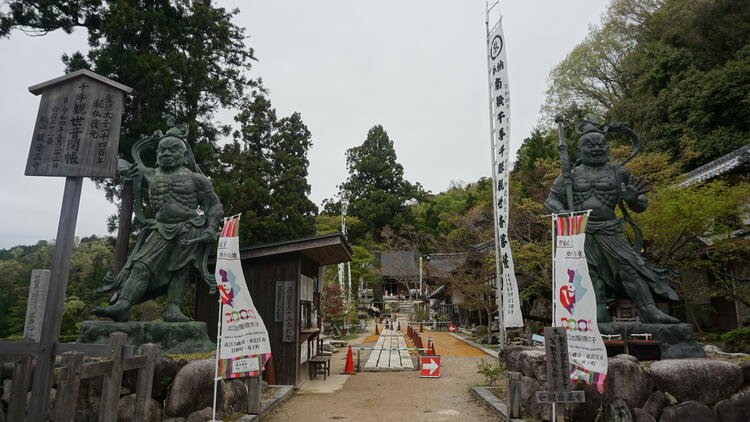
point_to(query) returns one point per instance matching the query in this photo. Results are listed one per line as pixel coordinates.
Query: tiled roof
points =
(719, 166)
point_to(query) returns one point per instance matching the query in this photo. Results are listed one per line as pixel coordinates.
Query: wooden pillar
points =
(21, 380)
(514, 394)
(111, 388)
(145, 384)
(253, 385)
(66, 229)
(68, 388)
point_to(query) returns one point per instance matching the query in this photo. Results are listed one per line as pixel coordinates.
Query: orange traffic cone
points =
(431, 348)
(377, 333)
(421, 327)
(349, 367)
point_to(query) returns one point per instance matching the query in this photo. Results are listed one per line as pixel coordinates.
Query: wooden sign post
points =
(558, 371)
(76, 135)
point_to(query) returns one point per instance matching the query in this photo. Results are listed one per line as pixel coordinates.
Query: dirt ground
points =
(398, 396)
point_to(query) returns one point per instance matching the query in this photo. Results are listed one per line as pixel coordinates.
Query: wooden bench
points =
(320, 365)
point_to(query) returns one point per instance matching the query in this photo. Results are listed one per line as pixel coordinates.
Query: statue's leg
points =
(602, 310)
(132, 290)
(178, 286)
(639, 292)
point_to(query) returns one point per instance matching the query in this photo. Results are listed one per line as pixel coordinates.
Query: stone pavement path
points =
(398, 395)
(392, 354)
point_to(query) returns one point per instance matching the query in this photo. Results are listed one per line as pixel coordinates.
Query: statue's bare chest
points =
(178, 184)
(600, 180)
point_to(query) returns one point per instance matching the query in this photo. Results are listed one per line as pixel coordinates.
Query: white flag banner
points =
(575, 301)
(243, 332)
(500, 124)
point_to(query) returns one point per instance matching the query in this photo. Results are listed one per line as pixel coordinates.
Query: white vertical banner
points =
(243, 333)
(575, 301)
(500, 126)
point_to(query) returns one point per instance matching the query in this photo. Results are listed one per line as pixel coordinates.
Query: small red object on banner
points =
(452, 328)
(429, 367)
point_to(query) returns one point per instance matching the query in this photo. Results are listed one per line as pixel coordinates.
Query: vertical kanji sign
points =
(500, 129)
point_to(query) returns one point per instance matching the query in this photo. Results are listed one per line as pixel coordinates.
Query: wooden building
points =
(285, 280)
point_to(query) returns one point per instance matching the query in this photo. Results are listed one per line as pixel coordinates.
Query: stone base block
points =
(677, 339)
(173, 338)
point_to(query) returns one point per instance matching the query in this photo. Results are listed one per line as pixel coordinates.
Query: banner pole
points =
(218, 346)
(216, 361)
(498, 276)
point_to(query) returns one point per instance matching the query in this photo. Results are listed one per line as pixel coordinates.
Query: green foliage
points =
(490, 370)
(736, 340)
(74, 312)
(678, 70)
(90, 260)
(376, 187)
(264, 175)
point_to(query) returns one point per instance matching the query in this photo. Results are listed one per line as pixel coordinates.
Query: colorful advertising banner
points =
(243, 338)
(575, 302)
(500, 127)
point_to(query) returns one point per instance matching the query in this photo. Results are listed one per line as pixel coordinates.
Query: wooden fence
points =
(119, 358)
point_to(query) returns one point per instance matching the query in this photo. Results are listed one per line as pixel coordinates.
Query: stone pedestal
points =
(677, 339)
(173, 338)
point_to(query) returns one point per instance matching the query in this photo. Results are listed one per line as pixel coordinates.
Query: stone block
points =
(689, 411)
(193, 389)
(510, 356)
(734, 409)
(533, 364)
(705, 381)
(126, 409)
(643, 416)
(655, 404)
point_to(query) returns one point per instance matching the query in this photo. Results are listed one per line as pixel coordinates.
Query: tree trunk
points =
(124, 227)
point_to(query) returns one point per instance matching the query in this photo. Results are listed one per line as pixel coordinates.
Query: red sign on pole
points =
(429, 366)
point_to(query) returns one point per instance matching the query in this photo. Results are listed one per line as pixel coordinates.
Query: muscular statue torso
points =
(599, 189)
(596, 189)
(175, 195)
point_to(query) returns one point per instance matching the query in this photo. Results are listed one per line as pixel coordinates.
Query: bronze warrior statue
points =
(617, 269)
(187, 214)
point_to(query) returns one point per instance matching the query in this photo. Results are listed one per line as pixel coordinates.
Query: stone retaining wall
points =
(675, 390)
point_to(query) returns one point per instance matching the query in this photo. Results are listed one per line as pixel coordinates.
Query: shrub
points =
(491, 371)
(736, 340)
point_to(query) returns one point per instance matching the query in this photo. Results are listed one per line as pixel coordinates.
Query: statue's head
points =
(171, 152)
(593, 149)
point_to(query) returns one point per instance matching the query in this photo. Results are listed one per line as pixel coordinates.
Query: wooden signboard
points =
(560, 397)
(278, 310)
(558, 368)
(77, 126)
(289, 326)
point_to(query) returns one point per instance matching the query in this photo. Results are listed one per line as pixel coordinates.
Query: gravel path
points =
(398, 396)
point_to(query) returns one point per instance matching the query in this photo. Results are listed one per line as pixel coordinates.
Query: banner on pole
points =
(575, 301)
(244, 338)
(500, 121)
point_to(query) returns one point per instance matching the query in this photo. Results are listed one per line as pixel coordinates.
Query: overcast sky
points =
(417, 67)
